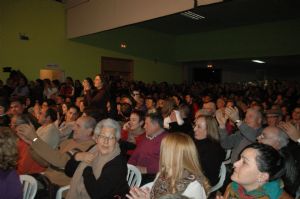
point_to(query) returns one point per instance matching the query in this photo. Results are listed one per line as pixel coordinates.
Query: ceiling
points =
(230, 13)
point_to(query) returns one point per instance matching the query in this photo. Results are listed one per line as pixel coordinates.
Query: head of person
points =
(296, 114)
(17, 120)
(273, 117)
(17, 105)
(150, 102)
(83, 128)
(258, 164)
(210, 107)
(253, 118)
(65, 107)
(177, 99)
(220, 103)
(107, 133)
(99, 81)
(136, 94)
(8, 149)
(88, 82)
(206, 127)
(136, 119)
(153, 123)
(274, 137)
(178, 153)
(47, 117)
(169, 106)
(188, 98)
(72, 113)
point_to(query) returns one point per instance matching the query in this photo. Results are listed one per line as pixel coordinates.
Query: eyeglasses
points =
(105, 138)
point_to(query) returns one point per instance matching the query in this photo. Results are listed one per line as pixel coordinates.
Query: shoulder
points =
(194, 190)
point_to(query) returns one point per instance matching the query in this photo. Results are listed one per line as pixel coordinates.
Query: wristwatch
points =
(237, 121)
(34, 139)
(298, 141)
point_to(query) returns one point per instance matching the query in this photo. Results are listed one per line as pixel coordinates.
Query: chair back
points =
(29, 185)
(222, 176)
(134, 176)
(61, 190)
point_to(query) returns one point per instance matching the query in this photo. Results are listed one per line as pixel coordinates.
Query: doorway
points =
(116, 68)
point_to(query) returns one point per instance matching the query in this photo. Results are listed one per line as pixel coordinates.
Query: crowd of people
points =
(84, 133)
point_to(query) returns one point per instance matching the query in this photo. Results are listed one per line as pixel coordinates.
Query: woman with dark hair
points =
(10, 185)
(258, 174)
(98, 97)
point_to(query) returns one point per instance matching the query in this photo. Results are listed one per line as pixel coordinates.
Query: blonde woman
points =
(179, 171)
(211, 154)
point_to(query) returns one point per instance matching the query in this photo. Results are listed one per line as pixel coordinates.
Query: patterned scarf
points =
(270, 190)
(162, 185)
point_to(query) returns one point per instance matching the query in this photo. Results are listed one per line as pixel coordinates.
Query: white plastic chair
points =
(61, 190)
(222, 176)
(134, 176)
(29, 185)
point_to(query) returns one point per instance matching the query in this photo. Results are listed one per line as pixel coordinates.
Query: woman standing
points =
(98, 97)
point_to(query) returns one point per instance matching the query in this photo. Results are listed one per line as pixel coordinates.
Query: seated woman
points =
(132, 132)
(179, 171)
(10, 185)
(104, 172)
(211, 154)
(257, 174)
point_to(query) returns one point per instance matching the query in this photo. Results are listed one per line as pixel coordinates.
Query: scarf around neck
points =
(271, 190)
(77, 187)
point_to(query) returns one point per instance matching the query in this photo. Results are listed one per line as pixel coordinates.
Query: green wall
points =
(269, 39)
(43, 21)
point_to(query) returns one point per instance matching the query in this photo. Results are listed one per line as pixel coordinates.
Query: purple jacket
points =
(10, 185)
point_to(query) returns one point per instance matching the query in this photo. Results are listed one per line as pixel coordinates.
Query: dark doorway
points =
(116, 68)
(207, 75)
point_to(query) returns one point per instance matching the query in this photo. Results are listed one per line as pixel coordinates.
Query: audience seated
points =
(210, 153)
(103, 172)
(247, 133)
(146, 155)
(257, 174)
(81, 141)
(179, 171)
(132, 132)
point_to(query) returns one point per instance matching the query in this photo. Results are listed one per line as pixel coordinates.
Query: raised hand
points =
(26, 132)
(290, 130)
(232, 113)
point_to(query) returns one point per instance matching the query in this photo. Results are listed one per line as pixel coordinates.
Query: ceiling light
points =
(258, 61)
(192, 15)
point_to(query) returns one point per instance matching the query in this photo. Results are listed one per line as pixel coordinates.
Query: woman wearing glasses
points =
(102, 173)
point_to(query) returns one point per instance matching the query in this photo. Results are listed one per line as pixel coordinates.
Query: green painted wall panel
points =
(43, 21)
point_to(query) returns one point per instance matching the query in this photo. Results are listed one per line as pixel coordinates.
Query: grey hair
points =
(108, 123)
(283, 138)
(89, 122)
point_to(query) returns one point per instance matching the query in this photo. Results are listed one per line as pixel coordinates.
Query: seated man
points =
(279, 140)
(247, 133)
(146, 155)
(82, 140)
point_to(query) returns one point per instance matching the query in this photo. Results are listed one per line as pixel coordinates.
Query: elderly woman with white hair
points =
(102, 171)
